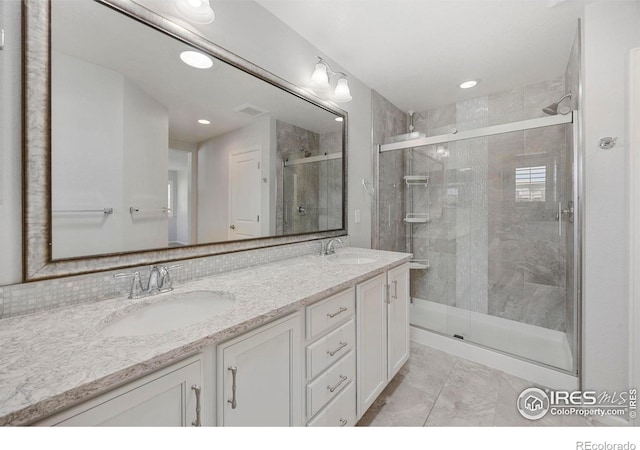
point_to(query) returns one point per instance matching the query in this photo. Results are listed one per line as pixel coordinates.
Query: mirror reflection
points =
(155, 144)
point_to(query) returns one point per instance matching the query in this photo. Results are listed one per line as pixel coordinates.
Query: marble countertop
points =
(55, 359)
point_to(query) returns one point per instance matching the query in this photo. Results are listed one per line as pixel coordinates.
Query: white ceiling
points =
(416, 53)
(85, 30)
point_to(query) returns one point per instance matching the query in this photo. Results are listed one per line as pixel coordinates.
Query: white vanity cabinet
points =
(259, 376)
(173, 396)
(331, 361)
(382, 317)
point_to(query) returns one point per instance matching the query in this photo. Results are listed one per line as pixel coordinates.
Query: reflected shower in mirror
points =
(155, 144)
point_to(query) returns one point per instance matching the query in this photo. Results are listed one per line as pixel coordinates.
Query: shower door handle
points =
(559, 215)
(569, 212)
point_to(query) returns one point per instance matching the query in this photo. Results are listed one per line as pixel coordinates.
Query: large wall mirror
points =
(146, 142)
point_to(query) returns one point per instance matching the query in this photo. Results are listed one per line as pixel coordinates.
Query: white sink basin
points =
(349, 259)
(170, 313)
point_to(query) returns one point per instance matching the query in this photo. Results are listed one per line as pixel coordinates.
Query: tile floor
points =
(437, 389)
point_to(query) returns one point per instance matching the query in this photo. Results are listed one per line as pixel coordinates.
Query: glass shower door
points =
(494, 259)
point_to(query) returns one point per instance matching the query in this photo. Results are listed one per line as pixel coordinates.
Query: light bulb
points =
(342, 92)
(320, 77)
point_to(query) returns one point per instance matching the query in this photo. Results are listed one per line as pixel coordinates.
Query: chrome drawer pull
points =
(197, 422)
(343, 422)
(340, 347)
(341, 310)
(234, 372)
(335, 386)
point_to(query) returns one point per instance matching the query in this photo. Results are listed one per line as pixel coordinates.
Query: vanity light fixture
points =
(197, 11)
(320, 81)
(204, 122)
(468, 84)
(196, 59)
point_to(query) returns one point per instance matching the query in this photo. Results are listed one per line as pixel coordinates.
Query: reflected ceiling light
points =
(320, 81)
(468, 84)
(197, 11)
(204, 122)
(339, 119)
(196, 59)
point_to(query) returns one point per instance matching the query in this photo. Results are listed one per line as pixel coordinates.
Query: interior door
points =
(245, 194)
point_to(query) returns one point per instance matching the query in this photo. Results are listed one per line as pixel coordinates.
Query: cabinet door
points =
(260, 376)
(398, 320)
(168, 399)
(371, 341)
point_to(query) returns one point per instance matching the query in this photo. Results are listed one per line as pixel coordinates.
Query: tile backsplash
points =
(29, 298)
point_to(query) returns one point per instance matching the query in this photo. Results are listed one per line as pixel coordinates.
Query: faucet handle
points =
(135, 280)
(167, 282)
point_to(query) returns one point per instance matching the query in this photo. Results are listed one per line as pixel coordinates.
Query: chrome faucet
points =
(330, 248)
(159, 281)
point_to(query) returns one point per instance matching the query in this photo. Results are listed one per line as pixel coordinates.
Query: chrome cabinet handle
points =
(340, 347)
(341, 310)
(233, 227)
(197, 390)
(234, 372)
(335, 386)
(395, 290)
(343, 422)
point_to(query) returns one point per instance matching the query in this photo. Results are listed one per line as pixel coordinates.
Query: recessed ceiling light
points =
(204, 122)
(339, 119)
(196, 59)
(468, 84)
(197, 11)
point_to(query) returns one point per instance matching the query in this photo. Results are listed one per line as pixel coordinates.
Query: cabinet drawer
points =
(323, 315)
(329, 384)
(330, 348)
(341, 412)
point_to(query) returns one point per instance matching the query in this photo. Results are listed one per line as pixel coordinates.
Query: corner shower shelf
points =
(416, 180)
(417, 218)
(419, 264)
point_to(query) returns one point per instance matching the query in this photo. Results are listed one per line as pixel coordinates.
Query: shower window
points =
(531, 184)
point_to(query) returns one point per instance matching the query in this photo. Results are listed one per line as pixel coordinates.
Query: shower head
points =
(552, 109)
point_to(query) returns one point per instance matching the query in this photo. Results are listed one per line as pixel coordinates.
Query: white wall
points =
(611, 29)
(180, 161)
(87, 136)
(192, 187)
(634, 170)
(10, 146)
(110, 146)
(145, 167)
(213, 177)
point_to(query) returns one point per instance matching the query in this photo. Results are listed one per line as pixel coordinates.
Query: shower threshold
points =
(530, 342)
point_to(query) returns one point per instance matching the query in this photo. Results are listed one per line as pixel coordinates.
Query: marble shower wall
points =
(388, 228)
(489, 253)
(316, 186)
